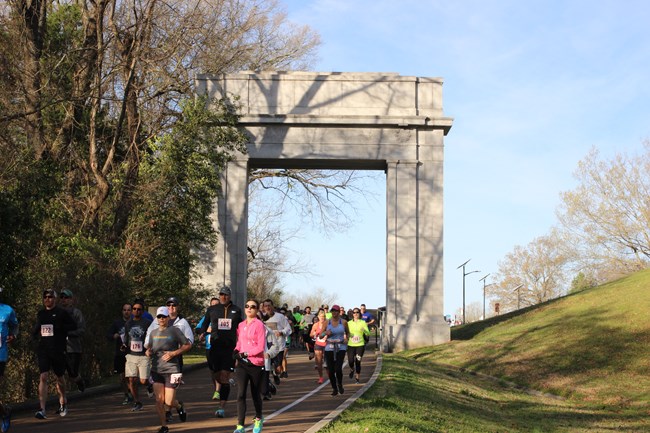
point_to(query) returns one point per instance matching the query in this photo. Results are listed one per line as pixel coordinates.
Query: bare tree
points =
(532, 274)
(608, 213)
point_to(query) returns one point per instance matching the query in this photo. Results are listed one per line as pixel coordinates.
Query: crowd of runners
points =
(245, 350)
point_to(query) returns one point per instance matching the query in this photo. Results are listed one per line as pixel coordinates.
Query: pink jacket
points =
(251, 339)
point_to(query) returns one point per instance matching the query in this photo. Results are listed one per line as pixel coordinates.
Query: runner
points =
(165, 346)
(138, 365)
(223, 320)
(249, 352)
(320, 340)
(50, 330)
(337, 337)
(306, 323)
(211, 367)
(116, 334)
(356, 343)
(177, 321)
(8, 332)
(73, 345)
(282, 329)
(289, 340)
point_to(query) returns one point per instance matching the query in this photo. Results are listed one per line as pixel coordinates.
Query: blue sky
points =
(532, 87)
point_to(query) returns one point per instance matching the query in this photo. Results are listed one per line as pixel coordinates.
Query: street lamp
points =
(518, 294)
(483, 279)
(464, 275)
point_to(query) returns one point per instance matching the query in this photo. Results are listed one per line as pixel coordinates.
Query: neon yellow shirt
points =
(358, 328)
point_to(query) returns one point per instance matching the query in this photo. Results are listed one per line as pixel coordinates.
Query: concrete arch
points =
(347, 121)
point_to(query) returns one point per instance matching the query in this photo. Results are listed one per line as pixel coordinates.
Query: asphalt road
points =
(299, 404)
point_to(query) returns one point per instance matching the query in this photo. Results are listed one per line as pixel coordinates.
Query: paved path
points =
(299, 405)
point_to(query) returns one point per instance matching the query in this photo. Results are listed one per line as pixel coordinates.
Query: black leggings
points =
(354, 357)
(243, 374)
(335, 367)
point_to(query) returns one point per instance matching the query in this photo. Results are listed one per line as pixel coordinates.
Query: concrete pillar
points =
(227, 264)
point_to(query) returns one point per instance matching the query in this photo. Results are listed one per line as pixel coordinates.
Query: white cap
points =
(162, 311)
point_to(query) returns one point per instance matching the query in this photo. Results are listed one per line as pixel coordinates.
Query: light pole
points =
(483, 279)
(518, 294)
(464, 275)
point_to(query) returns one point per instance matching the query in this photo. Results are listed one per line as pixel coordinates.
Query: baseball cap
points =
(162, 311)
(172, 300)
(225, 291)
(49, 292)
(67, 293)
(335, 308)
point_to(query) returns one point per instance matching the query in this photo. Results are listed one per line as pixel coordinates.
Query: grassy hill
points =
(588, 353)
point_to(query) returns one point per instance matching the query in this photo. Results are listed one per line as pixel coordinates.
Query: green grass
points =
(589, 352)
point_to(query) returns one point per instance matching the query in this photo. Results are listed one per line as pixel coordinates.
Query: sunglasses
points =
(171, 304)
(160, 316)
(135, 309)
(251, 306)
(48, 297)
(356, 312)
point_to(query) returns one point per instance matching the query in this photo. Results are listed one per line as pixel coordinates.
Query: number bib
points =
(356, 339)
(47, 330)
(224, 324)
(176, 378)
(136, 346)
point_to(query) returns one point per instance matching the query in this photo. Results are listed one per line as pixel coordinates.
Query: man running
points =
(222, 319)
(116, 334)
(8, 332)
(73, 345)
(215, 395)
(282, 329)
(50, 331)
(138, 365)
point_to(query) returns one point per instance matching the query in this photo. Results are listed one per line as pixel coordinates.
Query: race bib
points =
(176, 378)
(136, 346)
(47, 330)
(356, 339)
(224, 324)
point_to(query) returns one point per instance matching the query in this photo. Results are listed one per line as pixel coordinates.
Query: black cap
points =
(225, 291)
(172, 300)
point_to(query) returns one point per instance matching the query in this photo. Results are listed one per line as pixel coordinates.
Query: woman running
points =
(249, 352)
(356, 343)
(337, 338)
(165, 346)
(318, 334)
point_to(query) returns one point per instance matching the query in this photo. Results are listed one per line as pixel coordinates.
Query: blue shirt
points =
(8, 326)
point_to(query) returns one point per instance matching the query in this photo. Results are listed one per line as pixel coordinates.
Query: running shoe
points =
(127, 399)
(284, 374)
(168, 416)
(267, 396)
(40, 414)
(341, 388)
(321, 380)
(257, 425)
(62, 410)
(311, 356)
(220, 413)
(137, 407)
(6, 419)
(216, 396)
(335, 392)
(149, 390)
(356, 380)
(182, 415)
(163, 429)
(239, 429)
(351, 375)
(276, 379)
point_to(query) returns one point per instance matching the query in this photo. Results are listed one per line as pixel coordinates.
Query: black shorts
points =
(54, 361)
(220, 359)
(119, 362)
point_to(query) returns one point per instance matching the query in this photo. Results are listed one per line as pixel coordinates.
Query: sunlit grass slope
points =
(590, 351)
